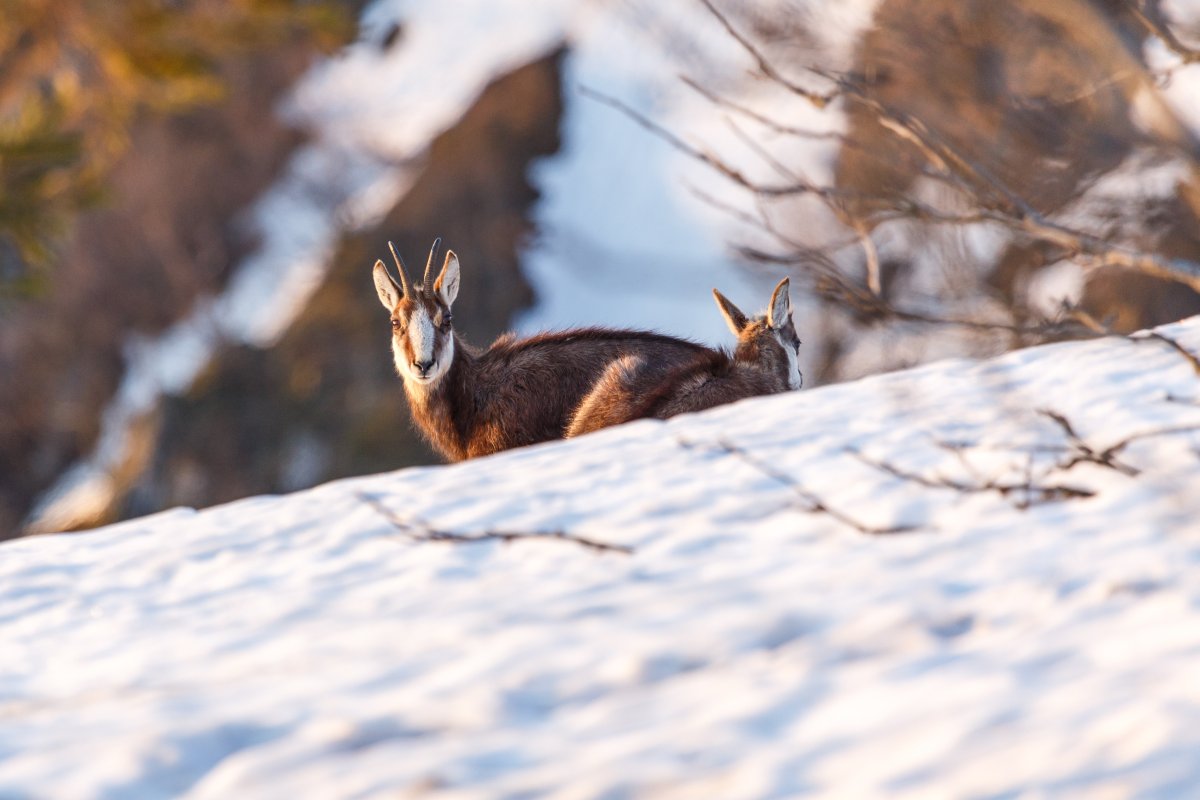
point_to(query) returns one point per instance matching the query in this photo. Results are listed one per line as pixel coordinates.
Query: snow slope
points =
(748, 647)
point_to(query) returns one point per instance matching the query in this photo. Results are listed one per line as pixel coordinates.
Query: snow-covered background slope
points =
(751, 645)
(621, 242)
(621, 237)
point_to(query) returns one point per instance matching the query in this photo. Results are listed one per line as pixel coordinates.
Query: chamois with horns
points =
(765, 361)
(469, 403)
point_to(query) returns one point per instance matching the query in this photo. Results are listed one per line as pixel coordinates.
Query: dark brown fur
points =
(627, 391)
(521, 392)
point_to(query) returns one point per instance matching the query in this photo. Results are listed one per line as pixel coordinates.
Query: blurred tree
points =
(990, 150)
(73, 78)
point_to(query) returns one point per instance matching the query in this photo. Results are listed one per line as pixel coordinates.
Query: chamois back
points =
(764, 362)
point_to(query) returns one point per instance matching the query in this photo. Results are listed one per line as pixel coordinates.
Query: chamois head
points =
(422, 334)
(770, 340)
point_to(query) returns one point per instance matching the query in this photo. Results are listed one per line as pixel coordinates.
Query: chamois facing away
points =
(518, 392)
(765, 361)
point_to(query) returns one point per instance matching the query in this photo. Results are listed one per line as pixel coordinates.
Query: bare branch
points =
(1080, 452)
(1191, 357)
(837, 289)
(991, 202)
(421, 532)
(735, 175)
(762, 119)
(1024, 221)
(1005, 206)
(1186, 54)
(1034, 226)
(726, 208)
(766, 155)
(813, 503)
(1029, 492)
(765, 67)
(874, 279)
(1019, 216)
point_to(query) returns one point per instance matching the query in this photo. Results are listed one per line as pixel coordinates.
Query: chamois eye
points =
(396, 325)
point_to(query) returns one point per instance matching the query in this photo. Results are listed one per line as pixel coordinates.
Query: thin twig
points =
(766, 155)
(767, 122)
(1191, 357)
(1030, 490)
(818, 99)
(838, 289)
(814, 504)
(1186, 54)
(874, 279)
(779, 190)
(1026, 221)
(1007, 208)
(421, 532)
(1081, 452)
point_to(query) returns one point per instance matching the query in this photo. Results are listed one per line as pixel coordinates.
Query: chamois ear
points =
(780, 310)
(446, 284)
(733, 316)
(387, 289)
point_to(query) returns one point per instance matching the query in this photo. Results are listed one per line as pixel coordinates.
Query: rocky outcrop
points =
(1048, 96)
(165, 233)
(324, 402)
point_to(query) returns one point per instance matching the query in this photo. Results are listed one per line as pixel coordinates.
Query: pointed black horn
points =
(437, 245)
(400, 266)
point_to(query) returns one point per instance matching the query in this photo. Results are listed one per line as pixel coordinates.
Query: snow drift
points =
(1036, 630)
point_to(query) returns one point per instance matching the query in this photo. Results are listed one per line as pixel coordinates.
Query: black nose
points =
(423, 366)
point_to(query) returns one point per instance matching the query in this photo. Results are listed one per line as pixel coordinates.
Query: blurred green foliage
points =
(75, 76)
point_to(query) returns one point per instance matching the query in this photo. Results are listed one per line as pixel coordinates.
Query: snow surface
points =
(748, 647)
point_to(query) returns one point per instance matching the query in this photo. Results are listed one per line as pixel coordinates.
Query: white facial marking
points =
(795, 378)
(422, 339)
(420, 334)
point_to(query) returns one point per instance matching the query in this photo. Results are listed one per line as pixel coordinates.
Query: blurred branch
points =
(1082, 452)
(781, 190)
(833, 285)
(1008, 209)
(1029, 492)
(992, 200)
(1155, 336)
(762, 119)
(1155, 27)
(818, 99)
(837, 288)
(1076, 449)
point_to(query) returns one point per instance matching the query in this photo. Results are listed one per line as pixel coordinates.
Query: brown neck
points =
(443, 412)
